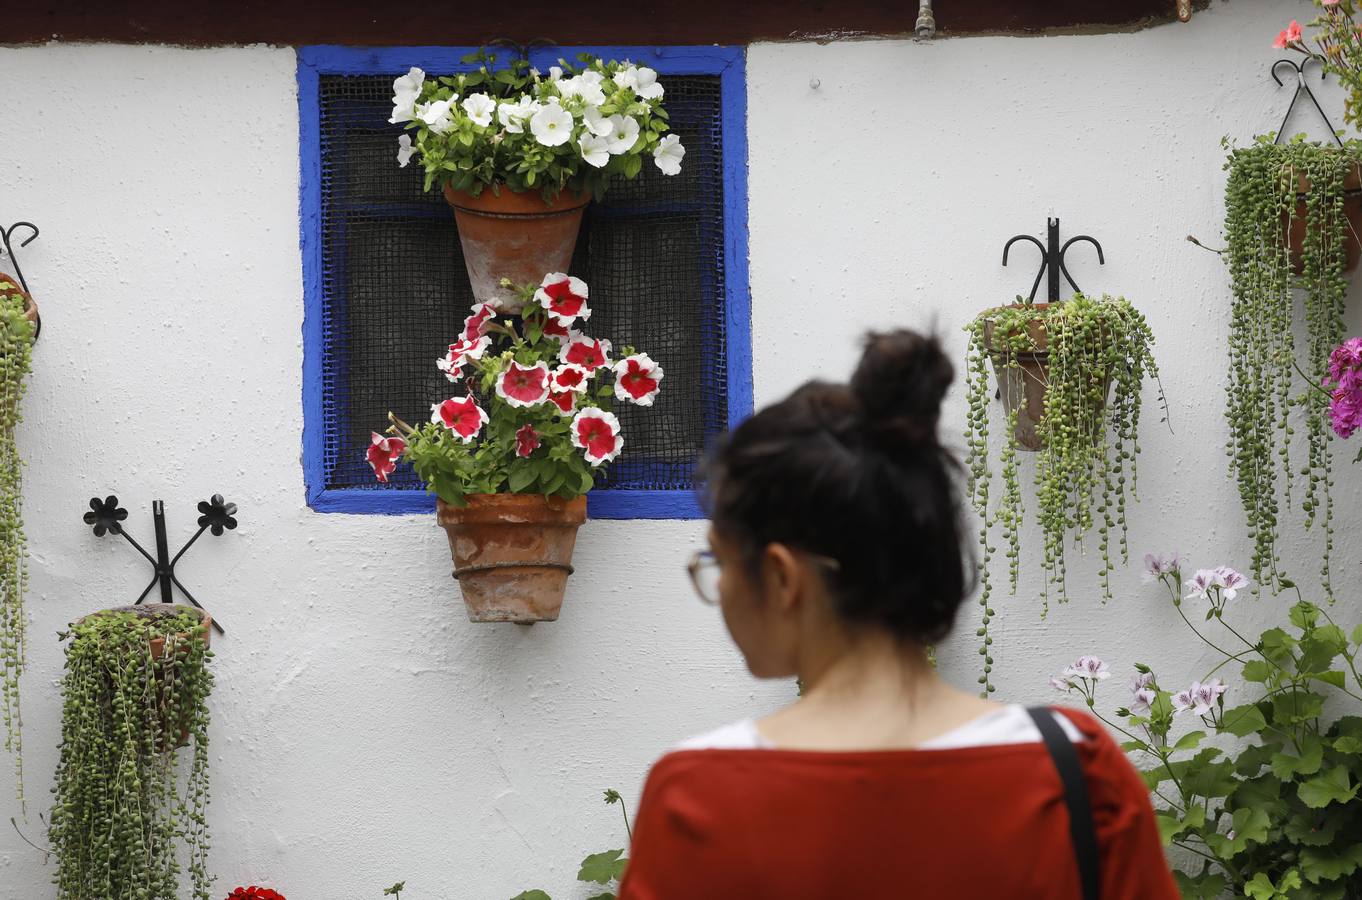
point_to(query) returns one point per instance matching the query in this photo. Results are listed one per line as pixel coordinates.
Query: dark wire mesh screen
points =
(396, 292)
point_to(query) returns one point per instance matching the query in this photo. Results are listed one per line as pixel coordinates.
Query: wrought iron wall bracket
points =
(7, 239)
(216, 515)
(1052, 259)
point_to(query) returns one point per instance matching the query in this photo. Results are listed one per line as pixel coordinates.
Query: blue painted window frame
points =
(728, 63)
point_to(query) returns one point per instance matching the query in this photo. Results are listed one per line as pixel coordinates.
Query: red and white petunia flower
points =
(383, 453)
(638, 378)
(568, 377)
(583, 351)
(597, 432)
(555, 329)
(566, 401)
(524, 385)
(526, 440)
(564, 297)
(475, 326)
(464, 418)
(460, 353)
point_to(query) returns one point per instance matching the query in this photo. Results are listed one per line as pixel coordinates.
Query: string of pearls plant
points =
(1271, 190)
(16, 345)
(124, 816)
(1076, 352)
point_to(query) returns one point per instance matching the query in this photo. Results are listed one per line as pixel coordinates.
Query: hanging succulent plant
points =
(16, 342)
(1056, 365)
(1287, 227)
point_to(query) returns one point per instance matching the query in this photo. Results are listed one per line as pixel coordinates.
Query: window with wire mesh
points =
(395, 290)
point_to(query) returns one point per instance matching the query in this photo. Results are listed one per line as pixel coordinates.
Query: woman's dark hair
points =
(854, 472)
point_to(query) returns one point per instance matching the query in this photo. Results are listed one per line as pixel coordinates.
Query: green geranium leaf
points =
(1296, 706)
(1334, 786)
(1261, 887)
(602, 868)
(1349, 745)
(1258, 670)
(1190, 740)
(1206, 886)
(532, 895)
(1304, 615)
(1285, 766)
(606, 896)
(1244, 720)
(1330, 863)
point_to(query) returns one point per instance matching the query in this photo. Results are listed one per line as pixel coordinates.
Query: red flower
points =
(254, 893)
(598, 433)
(568, 377)
(462, 417)
(383, 453)
(524, 385)
(556, 329)
(564, 297)
(566, 401)
(526, 440)
(475, 326)
(460, 352)
(581, 350)
(638, 378)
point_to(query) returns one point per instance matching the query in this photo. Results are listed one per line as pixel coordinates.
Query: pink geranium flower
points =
(638, 378)
(526, 440)
(383, 453)
(524, 385)
(569, 377)
(564, 297)
(597, 432)
(464, 418)
(1290, 35)
(583, 351)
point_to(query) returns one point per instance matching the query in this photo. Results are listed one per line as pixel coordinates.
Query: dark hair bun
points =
(900, 383)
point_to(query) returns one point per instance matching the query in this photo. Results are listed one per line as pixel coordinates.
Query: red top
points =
(974, 822)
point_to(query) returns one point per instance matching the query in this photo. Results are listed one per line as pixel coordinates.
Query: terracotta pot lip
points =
(154, 610)
(508, 201)
(30, 305)
(513, 507)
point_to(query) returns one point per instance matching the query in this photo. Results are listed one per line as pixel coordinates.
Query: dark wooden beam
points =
(367, 22)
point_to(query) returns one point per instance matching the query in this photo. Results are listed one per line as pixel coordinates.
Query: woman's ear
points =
(782, 577)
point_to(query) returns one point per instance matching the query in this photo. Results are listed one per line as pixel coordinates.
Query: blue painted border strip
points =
(729, 63)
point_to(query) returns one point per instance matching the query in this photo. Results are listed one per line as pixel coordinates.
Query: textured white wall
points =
(363, 731)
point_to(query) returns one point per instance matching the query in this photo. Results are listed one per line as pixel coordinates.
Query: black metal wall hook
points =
(1052, 259)
(107, 517)
(522, 50)
(7, 236)
(1299, 69)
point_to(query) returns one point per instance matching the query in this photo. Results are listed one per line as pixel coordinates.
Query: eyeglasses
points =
(704, 570)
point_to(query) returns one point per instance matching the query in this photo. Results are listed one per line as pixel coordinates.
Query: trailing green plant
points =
(124, 814)
(1276, 816)
(1089, 440)
(16, 342)
(1262, 204)
(604, 868)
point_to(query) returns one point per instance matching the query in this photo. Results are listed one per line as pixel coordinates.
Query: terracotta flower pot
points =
(158, 646)
(1023, 386)
(515, 236)
(512, 553)
(30, 305)
(1352, 211)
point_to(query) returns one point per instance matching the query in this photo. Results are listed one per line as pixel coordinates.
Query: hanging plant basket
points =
(1294, 223)
(7, 283)
(512, 553)
(514, 236)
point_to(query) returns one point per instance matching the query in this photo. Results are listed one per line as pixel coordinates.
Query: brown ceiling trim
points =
(366, 23)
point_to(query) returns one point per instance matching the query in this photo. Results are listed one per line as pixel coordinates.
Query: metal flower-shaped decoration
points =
(217, 515)
(105, 515)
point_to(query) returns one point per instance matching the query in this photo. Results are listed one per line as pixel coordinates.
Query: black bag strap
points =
(1081, 829)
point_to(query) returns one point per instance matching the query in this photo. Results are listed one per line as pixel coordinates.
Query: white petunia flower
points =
(598, 124)
(437, 115)
(514, 115)
(668, 154)
(404, 150)
(479, 108)
(646, 84)
(406, 91)
(595, 150)
(577, 86)
(555, 73)
(552, 125)
(623, 134)
(627, 78)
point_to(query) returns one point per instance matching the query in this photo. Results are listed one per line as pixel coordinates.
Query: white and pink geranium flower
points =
(638, 378)
(460, 353)
(597, 433)
(526, 440)
(569, 377)
(1089, 667)
(580, 350)
(1143, 692)
(563, 297)
(475, 326)
(522, 386)
(383, 454)
(1200, 698)
(464, 418)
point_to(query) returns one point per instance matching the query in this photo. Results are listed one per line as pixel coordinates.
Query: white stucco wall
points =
(364, 731)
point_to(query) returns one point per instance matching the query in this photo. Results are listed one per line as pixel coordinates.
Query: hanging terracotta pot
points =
(1022, 386)
(30, 305)
(515, 236)
(512, 553)
(157, 647)
(1352, 211)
